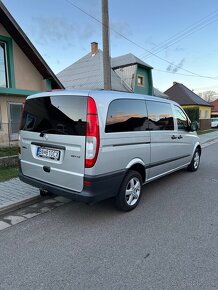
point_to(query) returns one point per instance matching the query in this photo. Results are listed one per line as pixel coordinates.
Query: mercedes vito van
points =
(93, 145)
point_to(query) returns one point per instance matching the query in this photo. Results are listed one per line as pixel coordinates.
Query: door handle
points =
(180, 137)
(173, 137)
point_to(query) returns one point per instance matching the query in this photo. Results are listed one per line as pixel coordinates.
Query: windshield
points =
(55, 115)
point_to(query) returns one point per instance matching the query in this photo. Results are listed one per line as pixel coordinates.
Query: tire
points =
(130, 191)
(193, 166)
(45, 193)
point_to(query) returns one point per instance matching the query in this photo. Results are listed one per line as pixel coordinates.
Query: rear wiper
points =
(42, 133)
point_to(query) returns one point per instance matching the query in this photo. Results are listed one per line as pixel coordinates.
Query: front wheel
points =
(130, 191)
(193, 166)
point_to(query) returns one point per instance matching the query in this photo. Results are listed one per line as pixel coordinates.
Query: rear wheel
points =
(193, 166)
(130, 191)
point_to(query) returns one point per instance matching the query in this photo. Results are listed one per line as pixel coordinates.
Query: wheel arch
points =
(139, 166)
(197, 146)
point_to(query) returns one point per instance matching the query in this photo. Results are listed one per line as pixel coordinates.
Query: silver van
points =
(93, 145)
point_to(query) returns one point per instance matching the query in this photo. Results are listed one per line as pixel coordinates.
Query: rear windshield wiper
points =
(61, 131)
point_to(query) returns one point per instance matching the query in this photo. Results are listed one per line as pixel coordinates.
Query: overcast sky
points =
(62, 34)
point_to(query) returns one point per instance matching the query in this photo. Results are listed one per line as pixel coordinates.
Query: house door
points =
(15, 110)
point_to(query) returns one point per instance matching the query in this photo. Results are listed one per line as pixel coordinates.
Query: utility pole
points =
(106, 50)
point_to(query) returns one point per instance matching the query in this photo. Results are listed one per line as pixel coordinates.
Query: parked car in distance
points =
(93, 145)
(214, 122)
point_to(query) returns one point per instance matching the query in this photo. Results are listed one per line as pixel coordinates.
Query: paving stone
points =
(30, 215)
(13, 220)
(44, 209)
(50, 200)
(62, 199)
(58, 204)
(15, 191)
(3, 225)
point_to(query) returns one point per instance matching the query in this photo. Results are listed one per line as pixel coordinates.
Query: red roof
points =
(215, 105)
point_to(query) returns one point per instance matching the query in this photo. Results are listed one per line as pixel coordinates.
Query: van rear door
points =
(52, 140)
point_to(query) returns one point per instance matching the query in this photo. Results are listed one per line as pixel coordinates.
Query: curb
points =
(23, 203)
(8, 161)
(210, 140)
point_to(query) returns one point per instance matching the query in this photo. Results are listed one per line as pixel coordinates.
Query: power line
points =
(213, 88)
(175, 73)
(96, 19)
(182, 37)
(185, 32)
(138, 45)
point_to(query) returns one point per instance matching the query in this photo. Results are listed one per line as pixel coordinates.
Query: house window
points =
(140, 81)
(206, 115)
(7, 77)
(3, 66)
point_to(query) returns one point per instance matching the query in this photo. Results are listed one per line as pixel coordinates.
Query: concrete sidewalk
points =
(15, 194)
(209, 137)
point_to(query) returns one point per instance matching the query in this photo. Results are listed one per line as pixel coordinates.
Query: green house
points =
(134, 72)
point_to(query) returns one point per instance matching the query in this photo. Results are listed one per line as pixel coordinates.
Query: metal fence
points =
(9, 133)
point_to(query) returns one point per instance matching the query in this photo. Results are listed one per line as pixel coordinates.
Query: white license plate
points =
(48, 153)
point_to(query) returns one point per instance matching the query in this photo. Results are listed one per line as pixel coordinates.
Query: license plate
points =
(48, 153)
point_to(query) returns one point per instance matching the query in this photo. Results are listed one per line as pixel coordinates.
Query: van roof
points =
(99, 93)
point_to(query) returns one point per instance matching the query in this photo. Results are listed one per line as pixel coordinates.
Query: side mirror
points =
(194, 126)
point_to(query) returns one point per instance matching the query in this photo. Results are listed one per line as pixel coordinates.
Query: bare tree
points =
(208, 96)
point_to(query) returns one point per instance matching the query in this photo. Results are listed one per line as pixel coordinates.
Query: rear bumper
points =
(99, 187)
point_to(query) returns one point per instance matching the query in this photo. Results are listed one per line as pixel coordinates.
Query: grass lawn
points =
(8, 151)
(8, 173)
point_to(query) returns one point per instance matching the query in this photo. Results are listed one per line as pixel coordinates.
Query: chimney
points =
(174, 83)
(94, 48)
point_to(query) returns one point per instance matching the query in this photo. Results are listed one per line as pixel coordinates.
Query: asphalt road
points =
(170, 241)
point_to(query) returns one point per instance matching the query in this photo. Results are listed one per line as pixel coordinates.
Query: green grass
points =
(7, 173)
(8, 151)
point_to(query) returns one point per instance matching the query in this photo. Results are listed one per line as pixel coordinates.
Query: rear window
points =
(126, 116)
(64, 115)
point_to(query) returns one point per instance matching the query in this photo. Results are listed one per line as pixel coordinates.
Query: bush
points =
(193, 113)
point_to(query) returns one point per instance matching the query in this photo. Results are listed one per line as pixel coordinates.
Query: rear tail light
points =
(92, 134)
(87, 182)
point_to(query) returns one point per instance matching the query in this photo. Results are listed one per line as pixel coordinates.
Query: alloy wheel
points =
(196, 159)
(133, 191)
